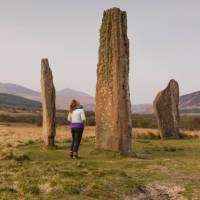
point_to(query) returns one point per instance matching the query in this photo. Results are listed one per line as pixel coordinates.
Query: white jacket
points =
(77, 116)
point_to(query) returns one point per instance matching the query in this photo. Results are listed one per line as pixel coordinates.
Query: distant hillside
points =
(16, 101)
(73, 93)
(190, 101)
(63, 97)
(18, 90)
(63, 102)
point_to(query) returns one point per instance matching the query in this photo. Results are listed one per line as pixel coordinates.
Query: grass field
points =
(165, 169)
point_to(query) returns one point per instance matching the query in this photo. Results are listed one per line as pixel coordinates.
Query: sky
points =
(164, 43)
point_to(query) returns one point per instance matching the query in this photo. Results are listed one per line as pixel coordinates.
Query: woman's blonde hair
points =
(73, 105)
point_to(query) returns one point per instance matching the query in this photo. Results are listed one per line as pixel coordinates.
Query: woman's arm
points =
(83, 115)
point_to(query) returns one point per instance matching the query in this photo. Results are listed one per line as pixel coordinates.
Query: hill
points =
(189, 103)
(18, 90)
(63, 97)
(16, 101)
(73, 93)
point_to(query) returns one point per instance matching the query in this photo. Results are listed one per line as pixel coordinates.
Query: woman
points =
(76, 117)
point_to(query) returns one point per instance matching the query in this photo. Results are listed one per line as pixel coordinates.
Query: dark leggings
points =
(76, 138)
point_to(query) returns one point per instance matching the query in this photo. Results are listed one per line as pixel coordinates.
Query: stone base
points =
(49, 141)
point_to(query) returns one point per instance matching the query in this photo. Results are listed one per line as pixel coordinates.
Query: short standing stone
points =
(166, 109)
(48, 103)
(113, 107)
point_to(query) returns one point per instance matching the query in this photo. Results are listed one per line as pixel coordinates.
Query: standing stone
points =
(113, 107)
(48, 103)
(166, 109)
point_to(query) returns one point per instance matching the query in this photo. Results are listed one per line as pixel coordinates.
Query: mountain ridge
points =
(11, 88)
(189, 101)
(63, 97)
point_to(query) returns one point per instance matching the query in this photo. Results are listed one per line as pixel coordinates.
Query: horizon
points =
(164, 44)
(147, 103)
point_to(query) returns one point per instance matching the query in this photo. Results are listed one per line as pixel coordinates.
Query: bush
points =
(190, 122)
(144, 121)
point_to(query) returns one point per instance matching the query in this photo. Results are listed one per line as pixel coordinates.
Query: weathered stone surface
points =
(166, 110)
(48, 103)
(113, 107)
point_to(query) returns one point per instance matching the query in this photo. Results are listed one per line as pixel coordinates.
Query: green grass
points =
(33, 172)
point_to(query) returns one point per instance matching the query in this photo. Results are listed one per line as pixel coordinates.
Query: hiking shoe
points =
(75, 156)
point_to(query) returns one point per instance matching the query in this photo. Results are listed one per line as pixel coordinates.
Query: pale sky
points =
(164, 43)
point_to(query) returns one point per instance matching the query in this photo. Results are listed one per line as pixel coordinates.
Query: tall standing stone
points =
(166, 109)
(113, 107)
(48, 103)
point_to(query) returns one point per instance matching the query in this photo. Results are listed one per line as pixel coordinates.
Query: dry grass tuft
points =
(14, 134)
